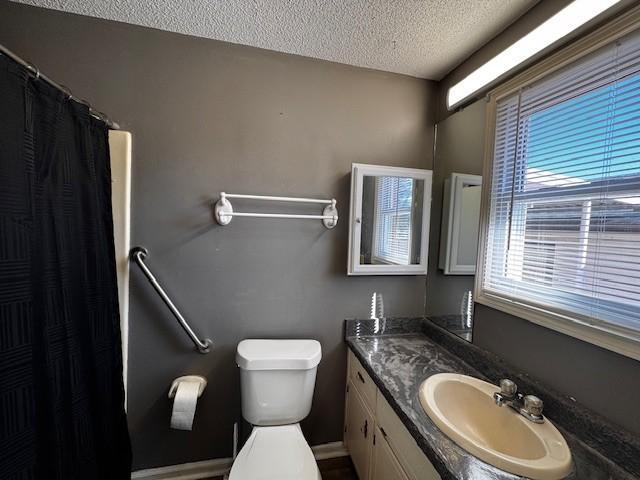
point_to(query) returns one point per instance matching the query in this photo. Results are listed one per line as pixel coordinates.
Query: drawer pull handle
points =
(360, 377)
(366, 428)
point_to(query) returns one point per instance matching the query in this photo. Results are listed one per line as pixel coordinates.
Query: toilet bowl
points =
(276, 452)
(277, 379)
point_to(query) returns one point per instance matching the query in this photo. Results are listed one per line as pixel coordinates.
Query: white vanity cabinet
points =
(379, 444)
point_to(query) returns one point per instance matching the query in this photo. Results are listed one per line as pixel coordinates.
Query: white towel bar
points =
(277, 199)
(223, 211)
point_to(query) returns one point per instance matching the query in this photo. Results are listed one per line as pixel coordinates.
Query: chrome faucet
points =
(529, 406)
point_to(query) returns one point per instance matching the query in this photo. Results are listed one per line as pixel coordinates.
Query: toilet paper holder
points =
(188, 378)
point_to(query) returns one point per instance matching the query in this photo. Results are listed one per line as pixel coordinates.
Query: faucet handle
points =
(508, 388)
(533, 405)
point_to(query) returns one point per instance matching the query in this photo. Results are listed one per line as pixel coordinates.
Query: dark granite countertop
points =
(400, 356)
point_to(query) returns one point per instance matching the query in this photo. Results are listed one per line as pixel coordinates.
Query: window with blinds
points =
(563, 233)
(392, 220)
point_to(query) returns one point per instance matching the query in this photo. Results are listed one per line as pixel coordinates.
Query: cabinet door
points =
(413, 461)
(358, 432)
(384, 465)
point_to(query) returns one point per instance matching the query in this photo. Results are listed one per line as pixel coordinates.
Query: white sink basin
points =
(464, 409)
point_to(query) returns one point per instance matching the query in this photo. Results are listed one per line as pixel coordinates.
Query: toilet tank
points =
(277, 378)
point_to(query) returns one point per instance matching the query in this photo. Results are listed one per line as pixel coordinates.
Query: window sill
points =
(610, 340)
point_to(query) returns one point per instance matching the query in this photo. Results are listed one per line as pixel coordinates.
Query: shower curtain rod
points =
(38, 75)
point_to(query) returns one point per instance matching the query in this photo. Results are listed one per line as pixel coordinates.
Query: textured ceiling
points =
(422, 38)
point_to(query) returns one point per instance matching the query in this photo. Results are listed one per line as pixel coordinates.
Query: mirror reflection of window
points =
(391, 220)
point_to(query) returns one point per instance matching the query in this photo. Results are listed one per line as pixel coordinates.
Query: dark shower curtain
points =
(61, 393)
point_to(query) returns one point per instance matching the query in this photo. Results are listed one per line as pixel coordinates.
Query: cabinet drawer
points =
(411, 457)
(362, 381)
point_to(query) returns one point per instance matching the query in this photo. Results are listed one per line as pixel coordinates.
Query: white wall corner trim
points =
(221, 466)
(120, 151)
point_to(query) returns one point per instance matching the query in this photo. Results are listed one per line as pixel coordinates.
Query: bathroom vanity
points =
(389, 436)
(381, 447)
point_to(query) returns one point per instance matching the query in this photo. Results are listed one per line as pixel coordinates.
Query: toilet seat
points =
(275, 453)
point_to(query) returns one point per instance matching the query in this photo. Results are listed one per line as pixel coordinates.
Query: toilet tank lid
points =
(257, 354)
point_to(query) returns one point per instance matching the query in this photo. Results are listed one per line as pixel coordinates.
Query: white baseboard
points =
(186, 471)
(221, 466)
(329, 450)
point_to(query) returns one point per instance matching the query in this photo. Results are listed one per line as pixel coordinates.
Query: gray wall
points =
(460, 149)
(603, 381)
(208, 117)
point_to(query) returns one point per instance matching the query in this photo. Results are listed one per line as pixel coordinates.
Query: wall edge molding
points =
(221, 466)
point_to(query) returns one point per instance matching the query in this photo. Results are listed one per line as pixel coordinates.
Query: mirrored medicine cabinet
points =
(460, 222)
(389, 220)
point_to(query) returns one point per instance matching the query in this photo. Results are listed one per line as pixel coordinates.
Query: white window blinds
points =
(563, 230)
(392, 222)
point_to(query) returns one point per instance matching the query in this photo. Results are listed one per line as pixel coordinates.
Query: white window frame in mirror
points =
(358, 172)
(450, 228)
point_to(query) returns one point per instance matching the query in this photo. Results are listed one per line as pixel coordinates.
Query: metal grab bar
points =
(139, 254)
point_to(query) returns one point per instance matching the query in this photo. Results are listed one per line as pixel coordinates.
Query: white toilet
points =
(277, 378)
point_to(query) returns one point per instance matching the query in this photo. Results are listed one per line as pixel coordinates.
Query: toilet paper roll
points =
(184, 405)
